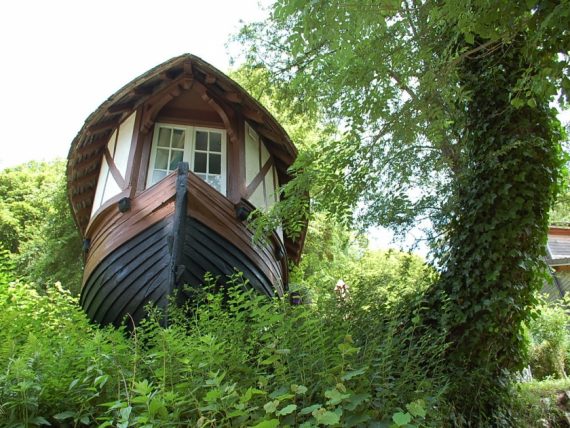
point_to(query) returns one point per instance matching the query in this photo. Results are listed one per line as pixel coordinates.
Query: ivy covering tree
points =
(445, 112)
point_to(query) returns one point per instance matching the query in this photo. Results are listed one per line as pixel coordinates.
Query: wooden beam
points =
(258, 178)
(86, 179)
(233, 97)
(165, 75)
(121, 107)
(94, 146)
(188, 68)
(114, 170)
(84, 196)
(103, 126)
(255, 115)
(87, 163)
(210, 78)
(82, 212)
(142, 91)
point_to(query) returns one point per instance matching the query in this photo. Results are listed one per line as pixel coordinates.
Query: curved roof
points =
(88, 146)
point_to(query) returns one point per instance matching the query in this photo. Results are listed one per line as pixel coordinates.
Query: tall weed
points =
(228, 359)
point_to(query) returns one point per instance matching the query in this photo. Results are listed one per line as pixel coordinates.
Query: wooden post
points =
(178, 232)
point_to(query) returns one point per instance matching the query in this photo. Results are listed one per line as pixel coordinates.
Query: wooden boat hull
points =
(143, 255)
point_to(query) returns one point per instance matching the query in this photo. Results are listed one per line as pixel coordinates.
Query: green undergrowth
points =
(233, 359)
(543, 403)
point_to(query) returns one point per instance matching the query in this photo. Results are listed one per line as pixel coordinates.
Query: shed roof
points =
(558, 246)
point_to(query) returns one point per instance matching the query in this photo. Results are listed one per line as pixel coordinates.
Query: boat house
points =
(161, 179)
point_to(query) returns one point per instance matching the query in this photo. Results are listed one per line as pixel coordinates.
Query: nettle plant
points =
(228, 359)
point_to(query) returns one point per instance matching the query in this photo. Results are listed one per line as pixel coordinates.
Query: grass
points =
(543, 403)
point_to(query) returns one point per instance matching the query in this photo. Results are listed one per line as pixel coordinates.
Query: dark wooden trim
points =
(153, 106)
(80, 182)
(145, 147)
(114, 170)
(254, 115)
(224, 115)
(87, 163)
(235, 156)
(94, 146)
(104, 126)
(259, 178)
(81, 197)
(185, 116)
(133, 164)
(178, 228)
(233, 97)
(121, 107)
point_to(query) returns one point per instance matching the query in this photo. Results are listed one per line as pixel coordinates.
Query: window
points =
(204, 149)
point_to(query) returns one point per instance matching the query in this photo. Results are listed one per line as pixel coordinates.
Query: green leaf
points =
(299, 389)
(310, 409)
(517, 102)
(401, 419)
(64, 415)
(335, 396)
(327, 417)
(349, 375)
(271, 423)
(287, 409)
(531, 102)
(417, 408)
(39, 420)
(271, 407)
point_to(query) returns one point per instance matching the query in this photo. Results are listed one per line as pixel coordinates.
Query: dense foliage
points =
(36, 227)
(446, 116)
(236, 361)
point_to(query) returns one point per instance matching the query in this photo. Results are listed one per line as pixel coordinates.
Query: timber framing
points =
(147, 94)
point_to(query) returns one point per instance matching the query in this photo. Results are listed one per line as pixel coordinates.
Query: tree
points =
(36, 226)
(445, 107)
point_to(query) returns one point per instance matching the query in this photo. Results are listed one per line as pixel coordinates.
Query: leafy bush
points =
(232, 359)
(549, 344)
(36, 225)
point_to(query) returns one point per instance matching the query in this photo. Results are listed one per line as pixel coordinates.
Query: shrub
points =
(549, 343)
(232, 359)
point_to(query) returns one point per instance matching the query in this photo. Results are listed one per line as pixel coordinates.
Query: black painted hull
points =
(139, 272)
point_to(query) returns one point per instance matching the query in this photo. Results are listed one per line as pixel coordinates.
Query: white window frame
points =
(189, 150)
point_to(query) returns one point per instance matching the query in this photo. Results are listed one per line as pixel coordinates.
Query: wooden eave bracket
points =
(155, 104)
(188, 68)
(103, 126)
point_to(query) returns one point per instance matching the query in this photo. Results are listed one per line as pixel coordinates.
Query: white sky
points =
(59, 60)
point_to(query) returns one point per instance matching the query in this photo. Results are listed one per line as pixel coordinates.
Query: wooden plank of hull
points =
(206, 251)
(138, 272)
(130, 277)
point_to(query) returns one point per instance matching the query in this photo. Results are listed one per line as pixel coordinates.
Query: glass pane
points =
(175, 159)
(161, 161)
(215, 142)
(215, 166)
(157, 176)
(200, 160)
(216, 182)
(178, 139)
(201, 140)
(164, 137)
(202, 176)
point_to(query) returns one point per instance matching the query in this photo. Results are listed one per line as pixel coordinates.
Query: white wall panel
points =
(121, 156)
(103, 174)
(258, 198)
